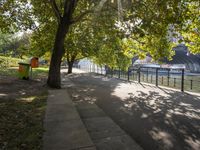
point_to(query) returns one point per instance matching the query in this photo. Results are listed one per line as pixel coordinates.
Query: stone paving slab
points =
(85, 105)
(66, 135)
(64, 129)
(88, 148)
(58, 97)
(90, 113)
(65, 111)
(102, 127)
(123, 142)
(105, 133)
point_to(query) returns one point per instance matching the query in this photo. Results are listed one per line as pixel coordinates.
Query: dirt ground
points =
(156, 118)
(22, 107)
(13, 87)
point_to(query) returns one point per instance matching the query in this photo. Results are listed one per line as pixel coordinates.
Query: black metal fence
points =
(177, 78)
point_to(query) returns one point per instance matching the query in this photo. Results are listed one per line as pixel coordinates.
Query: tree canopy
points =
(118, 29)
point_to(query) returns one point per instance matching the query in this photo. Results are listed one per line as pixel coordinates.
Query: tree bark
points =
(70, 61)
(70, 66)
(54, 79)
(64, 22)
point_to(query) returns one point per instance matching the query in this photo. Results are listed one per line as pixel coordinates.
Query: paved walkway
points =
(105, 133)
(91, 111)
(156, 118)
(65, 130)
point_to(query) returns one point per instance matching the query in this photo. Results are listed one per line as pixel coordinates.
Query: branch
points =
(56, 10)
(69, 8)
(73, 57)
(67, 57)
(80, 58)
(81, 16)
(61, 4)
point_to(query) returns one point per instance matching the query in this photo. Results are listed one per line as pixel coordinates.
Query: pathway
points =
(156, 118)
(65, 130)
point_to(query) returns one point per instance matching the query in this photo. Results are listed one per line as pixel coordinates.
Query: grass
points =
(21, 123)
(40, 72)
(9, 67)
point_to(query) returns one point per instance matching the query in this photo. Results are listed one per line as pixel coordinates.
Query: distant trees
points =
(14, 45)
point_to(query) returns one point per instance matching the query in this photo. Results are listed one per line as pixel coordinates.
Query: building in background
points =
(181, 58)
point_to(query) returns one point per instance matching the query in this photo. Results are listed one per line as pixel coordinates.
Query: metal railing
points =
(177, 79)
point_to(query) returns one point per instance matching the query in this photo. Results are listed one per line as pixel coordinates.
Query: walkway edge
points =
(64, 129)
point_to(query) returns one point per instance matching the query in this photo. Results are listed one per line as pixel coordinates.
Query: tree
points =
(67, 15)
(111, 51)
(15, 45)
(41, 40)
(5, 40)
(143, 21)
(77, 45)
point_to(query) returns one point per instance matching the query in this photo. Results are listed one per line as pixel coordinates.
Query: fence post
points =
(168, 77)
(182, 80)
(174, 82)
(128, 74)
(119, 74)
(190, 84)
(139, 75)
(143, 76)
(156, 76)
(147, 74)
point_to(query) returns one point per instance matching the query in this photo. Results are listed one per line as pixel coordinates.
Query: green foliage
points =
(15, 45)
(42, 39)
(158, 47)
(104, 32)
(191, 29)
(5, 42)
(16, 15)
(112, 53)
(6, 62)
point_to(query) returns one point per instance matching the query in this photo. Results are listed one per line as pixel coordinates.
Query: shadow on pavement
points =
(156, 118)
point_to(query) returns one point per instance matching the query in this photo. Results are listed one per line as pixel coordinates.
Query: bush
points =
(6, 62)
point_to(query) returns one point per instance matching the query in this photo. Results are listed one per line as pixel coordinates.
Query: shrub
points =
(6, 62)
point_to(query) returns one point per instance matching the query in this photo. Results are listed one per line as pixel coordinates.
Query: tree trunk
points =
(64, 22)
(54, 79)
(70, 61)
(70, 66)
